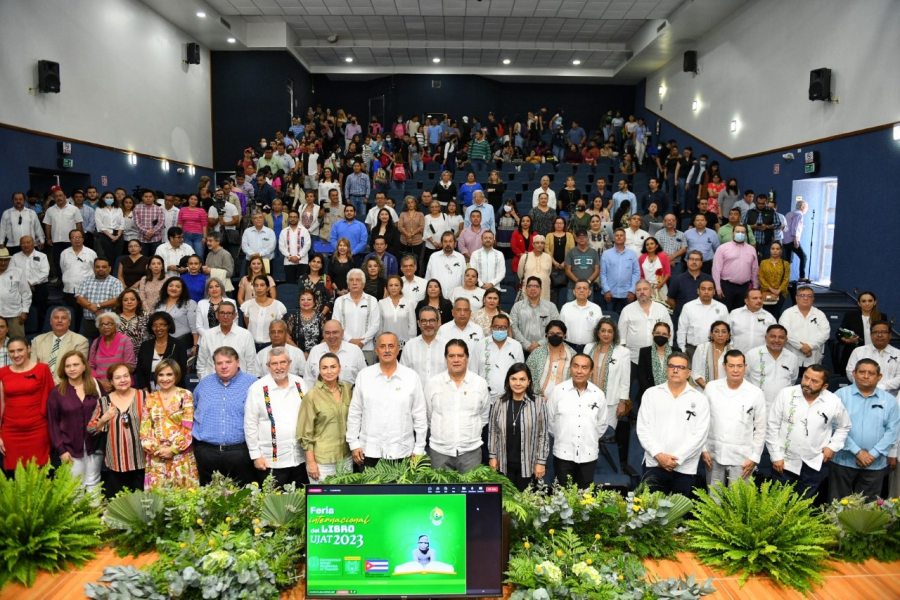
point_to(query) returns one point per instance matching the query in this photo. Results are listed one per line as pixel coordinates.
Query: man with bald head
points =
(351, 356)
(387, 417)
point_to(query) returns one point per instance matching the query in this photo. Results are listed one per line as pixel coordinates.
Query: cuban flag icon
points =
(376, 566)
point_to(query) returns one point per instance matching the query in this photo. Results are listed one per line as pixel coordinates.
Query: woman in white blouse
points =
(708, 362)
(260, 311)
(398, 314)
(110, 226)
(327, 183)
(309, 215)
(206, 307)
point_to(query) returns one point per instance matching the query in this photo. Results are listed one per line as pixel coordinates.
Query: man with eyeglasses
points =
(19, 221)
(530, 316)
(424, 354)
(807, 327)
(35, 268)
(350, 355)
(807, 426)
(737, 428)
(672, 426)
(496, 354)
(226, 333)
(880, 350)
(174, 250)
(60, 219)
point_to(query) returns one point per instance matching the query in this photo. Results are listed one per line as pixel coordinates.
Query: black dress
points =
(446, 309)
(338, 273)
(133, 270)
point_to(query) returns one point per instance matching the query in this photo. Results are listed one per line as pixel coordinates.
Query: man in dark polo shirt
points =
(683, 287)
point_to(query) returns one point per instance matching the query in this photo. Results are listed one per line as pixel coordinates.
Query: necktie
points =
(54, 355)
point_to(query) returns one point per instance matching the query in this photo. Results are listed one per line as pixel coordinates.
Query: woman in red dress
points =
(25, 386)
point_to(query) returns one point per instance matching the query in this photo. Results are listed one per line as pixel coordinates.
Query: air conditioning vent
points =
(225, 23)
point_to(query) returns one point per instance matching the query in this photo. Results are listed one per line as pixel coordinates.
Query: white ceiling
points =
(615, 40)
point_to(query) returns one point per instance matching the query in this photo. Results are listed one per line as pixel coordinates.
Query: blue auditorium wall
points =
(867, 225)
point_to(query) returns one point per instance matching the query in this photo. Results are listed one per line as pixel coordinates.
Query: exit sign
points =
(810, 168)
(66, 163)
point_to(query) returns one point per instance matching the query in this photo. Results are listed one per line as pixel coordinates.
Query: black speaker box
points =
(193, 53)
(48, 77)
(690, 61)
(820, 84)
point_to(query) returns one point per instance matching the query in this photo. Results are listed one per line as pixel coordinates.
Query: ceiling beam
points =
(433, 71)
(466, 45)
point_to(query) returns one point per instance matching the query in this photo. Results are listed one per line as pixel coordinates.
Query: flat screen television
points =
(403, 541)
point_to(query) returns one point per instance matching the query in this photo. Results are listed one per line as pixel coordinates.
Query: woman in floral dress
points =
(168, 416)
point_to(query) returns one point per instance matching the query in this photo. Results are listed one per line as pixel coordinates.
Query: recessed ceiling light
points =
(201, 14)
(734, 125)
(231, 41)
(576, 62)
(349, 59)
(436, 60)
(506, 61)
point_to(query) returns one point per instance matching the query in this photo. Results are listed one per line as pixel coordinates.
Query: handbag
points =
(558, 278)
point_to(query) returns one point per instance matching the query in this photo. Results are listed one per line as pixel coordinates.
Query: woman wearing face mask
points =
(507, 223)
(580, 219)
(728, 198)
(651, 369)
(549, 363)
(110, 226)
(518, 438)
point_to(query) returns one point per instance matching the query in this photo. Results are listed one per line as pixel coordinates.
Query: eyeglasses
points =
(427, 321)
(677, 367)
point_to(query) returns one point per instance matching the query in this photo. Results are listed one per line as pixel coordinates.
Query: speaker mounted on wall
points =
(48, 77)
(690, 61)
(193, 54)
(820, 84)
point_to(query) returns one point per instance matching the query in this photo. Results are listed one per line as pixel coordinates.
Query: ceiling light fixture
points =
(734, 125)
(506, 61)
(201, 14)
(662, 90)
(576, 62)
(231, 40)
(349, 59)
(436, 60)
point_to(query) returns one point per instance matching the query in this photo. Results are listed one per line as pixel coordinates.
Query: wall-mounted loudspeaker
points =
(820, 84)
(690, 61)
(48, 77)
(193, 54)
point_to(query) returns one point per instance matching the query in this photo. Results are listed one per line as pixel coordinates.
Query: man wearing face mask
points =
(549, 363)
(496, 354)
(735, 269)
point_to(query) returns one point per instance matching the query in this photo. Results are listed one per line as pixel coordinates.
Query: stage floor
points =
(870, 580)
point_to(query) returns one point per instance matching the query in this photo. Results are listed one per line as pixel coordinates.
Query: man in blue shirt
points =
(619, 273)
(357, 187)
(622, 195)
(875, 423)
(576, 134)
(355, 232)
(218, 432)
(703, 240)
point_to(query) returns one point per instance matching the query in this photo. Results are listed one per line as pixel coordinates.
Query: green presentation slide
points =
(386, 544)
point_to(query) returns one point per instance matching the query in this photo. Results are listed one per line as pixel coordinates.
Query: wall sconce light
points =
(192, 170)
(662, 90)
(897, 132)
(132, 158)
(165, 165)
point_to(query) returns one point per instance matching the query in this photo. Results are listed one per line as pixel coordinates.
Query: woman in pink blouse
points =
(193, 220)
(110, 348)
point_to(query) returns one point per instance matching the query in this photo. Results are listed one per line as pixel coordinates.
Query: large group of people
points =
(397, 332)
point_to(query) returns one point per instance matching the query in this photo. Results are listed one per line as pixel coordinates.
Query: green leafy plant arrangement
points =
(866, 529)
(565, 566)
(652, 523)
(219, 541)
(47, 521)
(770, 530)
(418, 469)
